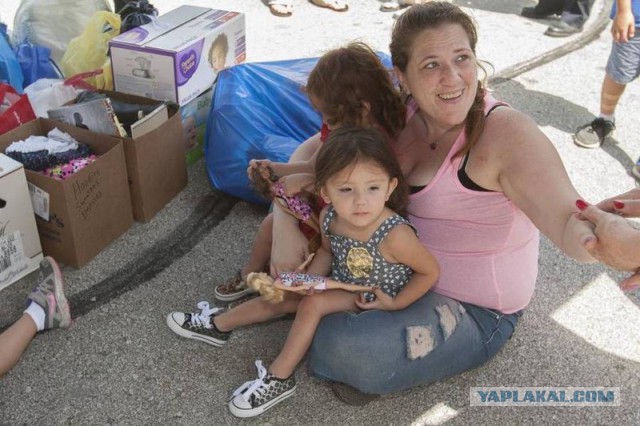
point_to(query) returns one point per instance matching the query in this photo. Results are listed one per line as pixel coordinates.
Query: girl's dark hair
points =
(346, 77)
(346, 146)
(427, 16)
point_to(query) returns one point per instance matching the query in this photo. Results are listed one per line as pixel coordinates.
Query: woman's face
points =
(442, 74)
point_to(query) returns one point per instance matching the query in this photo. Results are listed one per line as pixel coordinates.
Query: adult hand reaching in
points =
(625, 205)
(617, 241)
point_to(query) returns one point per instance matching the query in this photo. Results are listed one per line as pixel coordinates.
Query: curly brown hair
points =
(346, 78)
(427, 16)
(347, 145)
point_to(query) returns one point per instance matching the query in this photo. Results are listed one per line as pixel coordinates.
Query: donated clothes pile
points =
(37, 57)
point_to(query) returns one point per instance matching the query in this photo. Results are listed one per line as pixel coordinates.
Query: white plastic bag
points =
(49, 93)
(53, 23)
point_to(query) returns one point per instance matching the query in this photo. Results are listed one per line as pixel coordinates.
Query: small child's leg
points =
(236, 287)
(270, 388)
(255, 311)
(14, 341)
(310, 311)
(260, 249)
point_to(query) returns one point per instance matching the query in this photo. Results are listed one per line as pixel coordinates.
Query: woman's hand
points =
(383, 301)
(632, 283)
(626, 205)
(616, 243)
(257, 164)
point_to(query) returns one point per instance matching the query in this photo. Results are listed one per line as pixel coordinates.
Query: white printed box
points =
(20, 250)
(177, 56)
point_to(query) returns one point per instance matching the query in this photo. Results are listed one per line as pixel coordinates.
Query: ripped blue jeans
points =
(380, 352)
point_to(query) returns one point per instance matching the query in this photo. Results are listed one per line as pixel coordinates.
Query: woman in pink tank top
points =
(484, 180)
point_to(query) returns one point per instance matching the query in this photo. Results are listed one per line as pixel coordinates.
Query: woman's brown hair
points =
(428, 16)
(346, 146)
(345, 78)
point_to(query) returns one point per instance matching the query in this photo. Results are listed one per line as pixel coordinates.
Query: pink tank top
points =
(486, 247)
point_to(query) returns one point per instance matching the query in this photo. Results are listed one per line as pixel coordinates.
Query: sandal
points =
(232, 289)
(395, 5)
(335, 5)
(281, 8)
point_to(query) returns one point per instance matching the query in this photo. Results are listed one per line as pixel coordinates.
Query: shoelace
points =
(204, 317)
(257, 386)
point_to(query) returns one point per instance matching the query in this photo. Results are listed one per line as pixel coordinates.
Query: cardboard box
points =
(179, 56)
(194, 121)
(155, 162)
(20, 250)
(79, 216)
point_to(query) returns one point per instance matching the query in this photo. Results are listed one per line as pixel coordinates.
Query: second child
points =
(364, 241)
(349, 86)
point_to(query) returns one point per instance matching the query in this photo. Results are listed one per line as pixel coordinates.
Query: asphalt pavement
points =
(120, 364)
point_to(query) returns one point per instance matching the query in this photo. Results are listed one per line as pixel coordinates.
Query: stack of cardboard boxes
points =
(176, 58)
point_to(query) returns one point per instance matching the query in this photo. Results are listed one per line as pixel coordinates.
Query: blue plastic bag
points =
(10, 71)
(35, 62)
(258, 111)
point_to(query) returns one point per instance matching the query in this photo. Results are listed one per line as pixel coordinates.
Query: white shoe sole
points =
(176, 328)
(252, 412)
(588, 146)
(233, 296)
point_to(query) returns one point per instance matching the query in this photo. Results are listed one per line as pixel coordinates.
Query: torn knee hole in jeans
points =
(420, 338)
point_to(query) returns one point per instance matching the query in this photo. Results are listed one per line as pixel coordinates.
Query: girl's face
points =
(359, 192)
(442, 75)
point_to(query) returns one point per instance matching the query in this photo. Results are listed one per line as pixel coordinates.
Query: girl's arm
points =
(290, 247)
(303, 159)
(403, 246)
(299, 182)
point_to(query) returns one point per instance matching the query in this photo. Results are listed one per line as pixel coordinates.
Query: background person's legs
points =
(14, 341)
(574, 14)
(47, 309)
(609, 97)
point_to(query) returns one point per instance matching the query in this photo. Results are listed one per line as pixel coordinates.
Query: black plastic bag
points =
(135, 14)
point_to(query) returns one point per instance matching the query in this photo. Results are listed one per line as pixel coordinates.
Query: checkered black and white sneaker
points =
(198, 326)
(257, 396)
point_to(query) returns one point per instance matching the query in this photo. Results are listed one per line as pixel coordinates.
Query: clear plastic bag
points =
(53, 23)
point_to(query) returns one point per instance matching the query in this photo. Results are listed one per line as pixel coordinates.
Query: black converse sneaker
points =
(198, 326)
(257, 396)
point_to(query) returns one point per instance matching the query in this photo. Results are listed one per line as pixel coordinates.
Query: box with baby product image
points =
(79, 214)
(194, 122)
(177, 56)
(20, 250)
